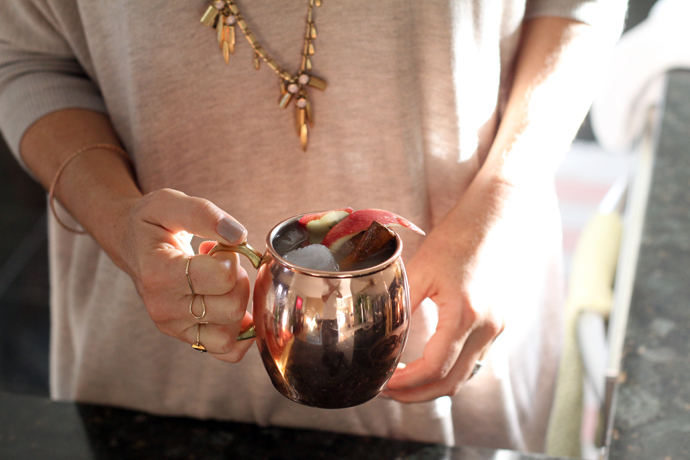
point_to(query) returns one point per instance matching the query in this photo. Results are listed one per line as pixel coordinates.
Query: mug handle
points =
(255, 257)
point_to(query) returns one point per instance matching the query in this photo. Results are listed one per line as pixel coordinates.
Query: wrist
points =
(490, 204)
(112, 228)
(96, 186)
(65, 164)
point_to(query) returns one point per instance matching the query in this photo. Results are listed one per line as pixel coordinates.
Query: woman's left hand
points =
(470, 260)
(461, 266)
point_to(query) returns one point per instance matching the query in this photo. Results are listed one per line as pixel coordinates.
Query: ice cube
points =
(315, 257)
(290, 239)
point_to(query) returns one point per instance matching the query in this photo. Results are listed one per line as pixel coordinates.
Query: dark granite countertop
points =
(35, 428)
(652, 415)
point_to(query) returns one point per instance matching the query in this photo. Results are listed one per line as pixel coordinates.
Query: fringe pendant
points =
(209, 17)
(226, 52)
(285, 100)
(219, 31)
(304, 137)
(318, 83)
(310, 114)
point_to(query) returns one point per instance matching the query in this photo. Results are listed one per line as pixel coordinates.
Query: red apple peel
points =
(359, 221)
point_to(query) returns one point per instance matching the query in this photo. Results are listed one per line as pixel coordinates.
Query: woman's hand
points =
(469, 259)
(462, 266)
(154, 250)
(146, 236)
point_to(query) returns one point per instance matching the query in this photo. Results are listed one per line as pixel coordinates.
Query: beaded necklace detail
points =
(224, 15)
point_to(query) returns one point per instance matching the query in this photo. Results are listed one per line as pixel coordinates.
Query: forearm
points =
(555, 78)
(141, 233)
(97, 187)
(556, 73)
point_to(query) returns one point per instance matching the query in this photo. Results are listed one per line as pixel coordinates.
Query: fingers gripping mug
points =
(327, 339)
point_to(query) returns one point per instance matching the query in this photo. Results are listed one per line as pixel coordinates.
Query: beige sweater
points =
(410, 112)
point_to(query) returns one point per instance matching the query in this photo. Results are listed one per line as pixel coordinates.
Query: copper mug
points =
(327, 339)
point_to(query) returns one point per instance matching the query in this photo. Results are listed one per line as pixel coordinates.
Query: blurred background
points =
(585, 176)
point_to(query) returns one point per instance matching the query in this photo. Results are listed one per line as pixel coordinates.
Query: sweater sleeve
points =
(606, 14)
(39, 72)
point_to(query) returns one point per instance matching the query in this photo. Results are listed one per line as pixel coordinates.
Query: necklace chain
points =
(223, 15)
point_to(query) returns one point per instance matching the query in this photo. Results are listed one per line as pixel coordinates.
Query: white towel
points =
(637, 79)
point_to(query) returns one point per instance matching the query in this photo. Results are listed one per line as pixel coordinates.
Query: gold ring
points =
(198, 346)
(189, 279)
(203, 307)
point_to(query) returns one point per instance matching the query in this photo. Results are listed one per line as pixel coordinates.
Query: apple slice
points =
(359, 221)
(321, 222)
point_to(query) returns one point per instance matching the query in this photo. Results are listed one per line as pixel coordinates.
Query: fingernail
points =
(230, 229)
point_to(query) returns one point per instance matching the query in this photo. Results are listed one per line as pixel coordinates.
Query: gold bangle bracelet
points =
(53, 184)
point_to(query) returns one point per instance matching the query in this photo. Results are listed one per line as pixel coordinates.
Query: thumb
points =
(179, 212)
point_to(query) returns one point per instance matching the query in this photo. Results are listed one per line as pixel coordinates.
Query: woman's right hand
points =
(154, 249)
(143, 235)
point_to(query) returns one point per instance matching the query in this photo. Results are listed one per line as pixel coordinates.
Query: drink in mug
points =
(330, 327)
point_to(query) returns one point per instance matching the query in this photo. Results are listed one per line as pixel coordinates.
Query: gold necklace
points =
(223, 15)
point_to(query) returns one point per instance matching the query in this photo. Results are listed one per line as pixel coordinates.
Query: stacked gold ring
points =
(203, 307)
(198, 346)
(191, 302)
(186, 272)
